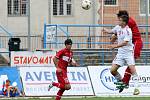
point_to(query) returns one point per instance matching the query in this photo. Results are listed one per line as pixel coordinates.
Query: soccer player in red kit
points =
(61, 61)
(137, 41)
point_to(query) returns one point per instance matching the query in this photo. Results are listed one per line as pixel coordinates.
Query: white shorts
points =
(127, 58)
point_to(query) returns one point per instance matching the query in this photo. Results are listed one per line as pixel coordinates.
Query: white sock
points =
(135, 80)
(118, 77)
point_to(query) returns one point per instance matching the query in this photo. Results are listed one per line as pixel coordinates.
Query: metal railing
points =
(95, 57)
(89, 48)
(36, 42)
(83, 36)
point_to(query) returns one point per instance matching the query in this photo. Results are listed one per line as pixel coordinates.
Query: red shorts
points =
(137, 48)
(62, 77)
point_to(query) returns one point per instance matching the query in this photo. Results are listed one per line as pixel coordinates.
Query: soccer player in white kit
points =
(125, 51)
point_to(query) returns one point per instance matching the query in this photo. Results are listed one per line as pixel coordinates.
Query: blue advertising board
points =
(12, 74)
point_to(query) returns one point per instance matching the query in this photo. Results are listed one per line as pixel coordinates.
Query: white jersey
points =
(124, 34)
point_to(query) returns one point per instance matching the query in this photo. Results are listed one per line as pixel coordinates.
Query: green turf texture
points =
(90, 98)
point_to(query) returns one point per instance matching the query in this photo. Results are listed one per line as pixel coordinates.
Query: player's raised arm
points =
(107, 31)
(113, 38)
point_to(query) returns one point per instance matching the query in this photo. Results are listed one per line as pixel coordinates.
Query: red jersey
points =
(5, 87)
(134, 28)
(65, 57)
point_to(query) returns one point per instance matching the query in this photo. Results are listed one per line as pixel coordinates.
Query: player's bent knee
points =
(113, 72)
(132, 69)
(68, 87)
(113, 69)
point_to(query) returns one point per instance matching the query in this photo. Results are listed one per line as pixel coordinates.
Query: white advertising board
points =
(36, 81)
(103, 81)
(36, 58)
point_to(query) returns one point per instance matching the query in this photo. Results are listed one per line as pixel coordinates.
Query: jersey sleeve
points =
(71, 58)
(114, 30)
(59, 54)
(128, 35)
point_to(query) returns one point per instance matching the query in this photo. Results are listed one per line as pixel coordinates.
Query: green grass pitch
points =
(85, 98)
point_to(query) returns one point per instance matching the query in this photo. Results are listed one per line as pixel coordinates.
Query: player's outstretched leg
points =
(59, 94)
(135, 80)
(121, 87)
(59, 85)
(50, 86)
(127, 76)
(125, 81)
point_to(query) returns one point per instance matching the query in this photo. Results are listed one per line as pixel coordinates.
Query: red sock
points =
(127, 76)
(57, 97)
(59, 85)
(59, 94)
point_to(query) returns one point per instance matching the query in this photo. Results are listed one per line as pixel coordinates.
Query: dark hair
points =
(122, 12)
(7, 80)
(125, 18)
(68, 41)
